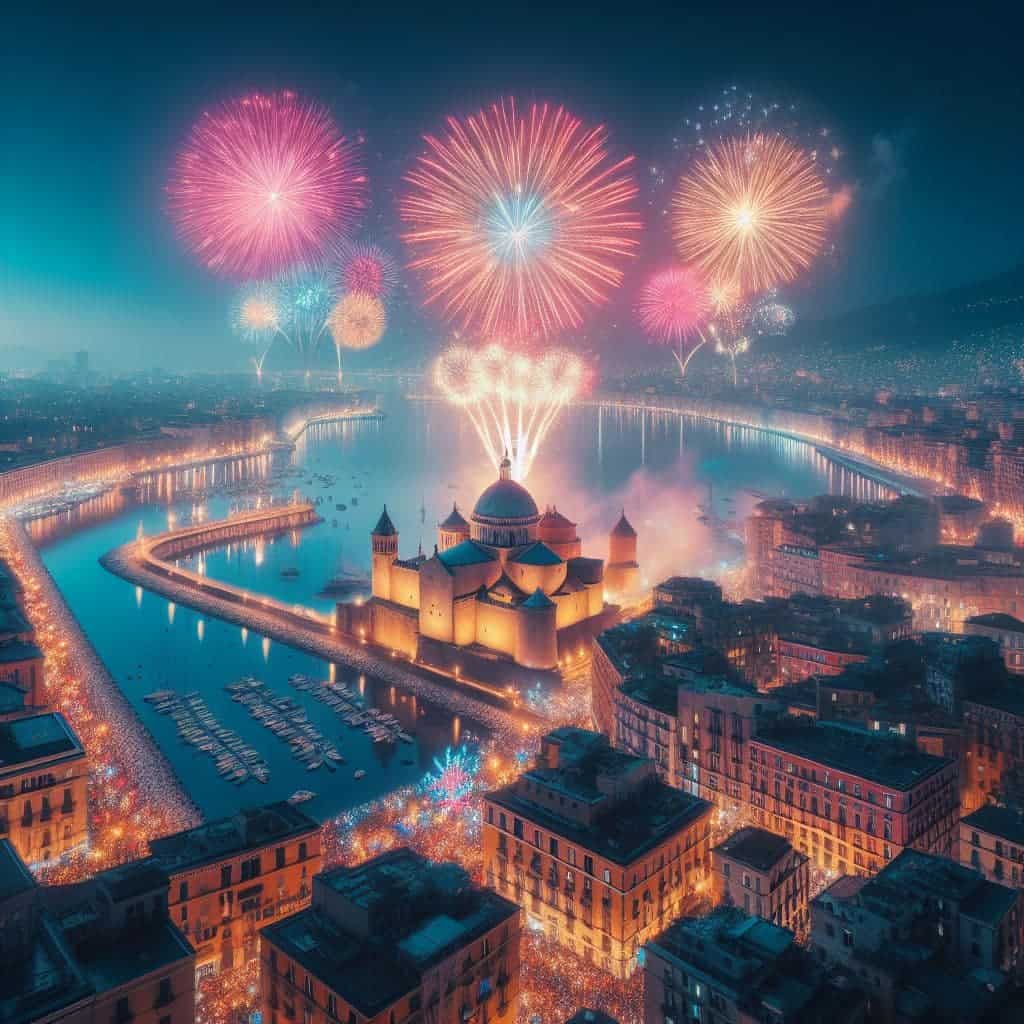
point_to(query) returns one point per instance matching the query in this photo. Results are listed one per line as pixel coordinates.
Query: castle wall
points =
(571, 608)
(405, 586)
(437, 600)
(496, 627)
(395, 627)
(465, 613)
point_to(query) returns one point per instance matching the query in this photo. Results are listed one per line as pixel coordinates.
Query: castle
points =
(511, 584)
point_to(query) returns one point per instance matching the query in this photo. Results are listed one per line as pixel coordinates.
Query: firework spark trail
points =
(675, 306)
(519, 222)
(264, 182)
(306, 299)
(512, 399)
(752, 210)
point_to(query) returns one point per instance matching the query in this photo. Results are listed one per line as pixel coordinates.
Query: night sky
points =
(927, 103)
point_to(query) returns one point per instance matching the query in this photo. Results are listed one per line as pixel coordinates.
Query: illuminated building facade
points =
(395, 939)
(993, 725)
(93, 952)
(992, 842)
(230, 878)
(599, 852)
(43, 785)
(509, 581)
(762, 874)
(849, 799)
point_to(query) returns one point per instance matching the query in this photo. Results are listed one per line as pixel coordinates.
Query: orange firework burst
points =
(357, 321)
(753, 210)
(519, 221)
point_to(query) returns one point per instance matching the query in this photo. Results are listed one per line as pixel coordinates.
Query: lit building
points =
(392, 940)
(762, 874)
(599, 852)
(992, 842)
(43, 785)
(731, 966)
(230, 878)
(1005, 630)
(931, 939)
(993, 724)
(850, 799)
(93, 952)
(510, 582)
(622, 575)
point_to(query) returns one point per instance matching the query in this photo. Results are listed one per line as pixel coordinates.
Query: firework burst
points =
(366, 267)
(264, 182)
(357, 321)
(256, 318)
(519, 221)
(752, 210)
(307, 298)
(512, 399)
(674, 308)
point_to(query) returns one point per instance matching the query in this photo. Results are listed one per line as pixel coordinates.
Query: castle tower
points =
(454, 530)
(384, 546)
(537, 632)
(622, 574)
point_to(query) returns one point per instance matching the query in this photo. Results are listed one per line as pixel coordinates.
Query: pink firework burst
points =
(264, 182)
(367, 268)
(675, 304)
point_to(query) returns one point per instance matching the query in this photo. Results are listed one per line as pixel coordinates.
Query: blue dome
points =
(505, 499)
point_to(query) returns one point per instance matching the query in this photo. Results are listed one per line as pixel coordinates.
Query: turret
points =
(622, 576)
(384, 548)
(454, 530)
(537, 632)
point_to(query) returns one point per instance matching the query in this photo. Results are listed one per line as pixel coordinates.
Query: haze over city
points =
(511, 516)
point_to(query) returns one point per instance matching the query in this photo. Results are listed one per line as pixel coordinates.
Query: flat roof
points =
(626, 830)
(997, 620)
(15, 877)
(755, 847)
(27, 739)
(249, 828)
(887, 760)
(110, 964)
(1006, 822)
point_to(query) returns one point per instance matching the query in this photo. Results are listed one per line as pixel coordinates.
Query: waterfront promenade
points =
(143, 562)
(134, 794)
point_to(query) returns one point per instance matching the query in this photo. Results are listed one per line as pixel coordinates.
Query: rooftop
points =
(887, 760)
(23, 740)
(633, 810)
(251, 828)
(506, 500)
(455, 521)
(467, 552)
(15, 877)
(755, 847)
(997, 820)
(537, 553)
(384, 527)
(997, 620)
(415, 913)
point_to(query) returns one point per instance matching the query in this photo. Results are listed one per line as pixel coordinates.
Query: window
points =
(164, 993)
(588, 864)
(553, 846)
(225, 876)
(182, 891)
(307, 985)
(332, 1005)
(279, 857)
(302, 851)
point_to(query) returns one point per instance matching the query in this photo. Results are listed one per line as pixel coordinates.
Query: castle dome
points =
(505, 499)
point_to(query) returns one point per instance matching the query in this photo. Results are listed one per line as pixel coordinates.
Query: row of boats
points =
(287, 720)
(381, 726)
(197, 726)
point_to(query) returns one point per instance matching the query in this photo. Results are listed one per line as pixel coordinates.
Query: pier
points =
(144, 562)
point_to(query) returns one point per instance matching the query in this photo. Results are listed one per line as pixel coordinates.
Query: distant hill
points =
(980, 311)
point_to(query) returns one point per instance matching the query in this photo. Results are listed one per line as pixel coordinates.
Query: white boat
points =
(300, 796)
(359, 774)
